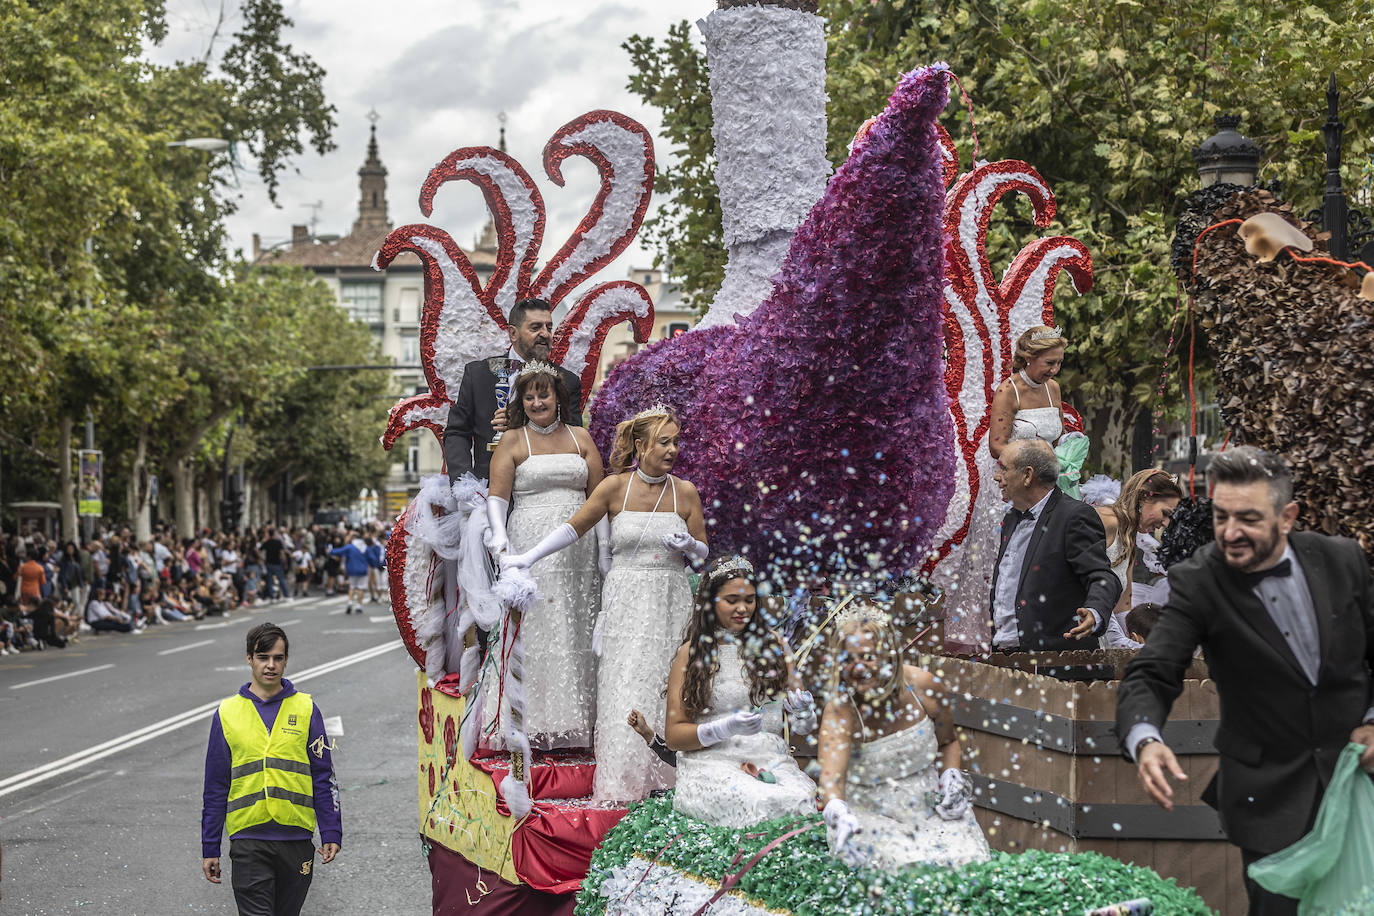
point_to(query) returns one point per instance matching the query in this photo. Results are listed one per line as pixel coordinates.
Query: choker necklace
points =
(1027, 379)
(647, 479)
(543, 430)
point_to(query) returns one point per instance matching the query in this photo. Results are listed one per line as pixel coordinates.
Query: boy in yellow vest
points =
(269, 780)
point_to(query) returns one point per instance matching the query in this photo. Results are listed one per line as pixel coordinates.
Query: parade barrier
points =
(1039, 739)
(481, 856)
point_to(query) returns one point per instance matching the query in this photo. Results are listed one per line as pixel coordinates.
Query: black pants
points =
(271, 877)
(1262, 902)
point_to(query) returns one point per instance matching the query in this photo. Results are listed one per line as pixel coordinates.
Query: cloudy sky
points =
(439, 72)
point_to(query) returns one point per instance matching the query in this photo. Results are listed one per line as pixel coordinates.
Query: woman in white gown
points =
(729, 686)
(656, 523)
(544, 469)
(1148, 499)
(891, 785)
(1028, 405)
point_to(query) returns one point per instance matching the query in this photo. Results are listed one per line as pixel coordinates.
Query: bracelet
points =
(1148, 739)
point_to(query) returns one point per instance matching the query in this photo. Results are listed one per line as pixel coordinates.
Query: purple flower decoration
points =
(818, 428)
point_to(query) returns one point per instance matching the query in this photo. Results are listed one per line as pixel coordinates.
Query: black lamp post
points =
(1228, 157)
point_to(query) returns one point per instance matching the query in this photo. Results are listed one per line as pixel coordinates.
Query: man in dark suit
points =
(1052, 587)
(475, 417)
(1286, 624)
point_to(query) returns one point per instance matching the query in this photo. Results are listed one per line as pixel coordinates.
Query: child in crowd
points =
(1141, 619)
(305, 569)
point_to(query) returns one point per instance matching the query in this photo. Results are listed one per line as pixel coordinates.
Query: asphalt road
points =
(102, 754)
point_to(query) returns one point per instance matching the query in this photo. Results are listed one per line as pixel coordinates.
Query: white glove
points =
(737, 723)
(842, 826)
(958, 795)
(603, 545)
(685, 544)
(553, 542)
(801, 706)
(495, 538)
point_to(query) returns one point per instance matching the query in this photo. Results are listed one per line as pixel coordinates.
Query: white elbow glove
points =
(801, 707)
(495, 538)
(685, 544)
(957, 795)
(841, 826)
(603, 545)
(553, 542)
(737, 723)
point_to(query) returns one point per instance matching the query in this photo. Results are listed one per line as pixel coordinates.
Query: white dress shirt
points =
(1006, 632)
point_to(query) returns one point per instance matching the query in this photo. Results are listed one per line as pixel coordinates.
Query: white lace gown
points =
(645, 603)
(711, 787)
(890, 788)
(966, 575)
(1118, 555)
(560, 669)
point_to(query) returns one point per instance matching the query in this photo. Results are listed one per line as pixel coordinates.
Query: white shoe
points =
(84, 627)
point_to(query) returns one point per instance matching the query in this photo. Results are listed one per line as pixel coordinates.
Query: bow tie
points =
(1022, 515)
(1282, 570)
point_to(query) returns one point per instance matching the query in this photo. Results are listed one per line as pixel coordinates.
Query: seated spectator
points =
(42, 620)
(66, 621)
(1141, 619)
(15, 632)
(211, 596)
(104, 617)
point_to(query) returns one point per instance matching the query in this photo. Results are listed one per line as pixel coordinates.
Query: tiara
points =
(735, 564)
(1047, 334)
(658, 410)
(537, 367)
(861, 610)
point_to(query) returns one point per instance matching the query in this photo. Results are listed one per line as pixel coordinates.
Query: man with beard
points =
(1286, 623)
(475, 417)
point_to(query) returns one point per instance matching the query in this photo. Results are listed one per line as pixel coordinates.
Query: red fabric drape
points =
(454, 880)
(550, 777)
(552, 849)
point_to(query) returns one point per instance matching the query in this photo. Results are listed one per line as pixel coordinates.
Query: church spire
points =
(372, 214)
(487, 240)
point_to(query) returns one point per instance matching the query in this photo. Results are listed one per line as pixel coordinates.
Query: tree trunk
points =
(184, 479)
(65, 486)
(141, 511)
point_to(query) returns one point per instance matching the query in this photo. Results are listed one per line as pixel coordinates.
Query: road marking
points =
(370, 632)
(158, 729)
(194, 645)
(213, 626)
(61, 798)
(287, 623)
(60, 677)
(381, 619)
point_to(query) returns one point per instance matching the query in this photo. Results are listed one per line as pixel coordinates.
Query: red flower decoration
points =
(427, 716)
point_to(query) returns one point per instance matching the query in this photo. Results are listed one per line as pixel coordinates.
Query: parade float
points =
(837, 396)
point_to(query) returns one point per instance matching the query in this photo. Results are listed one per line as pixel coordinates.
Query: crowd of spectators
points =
(51, 594)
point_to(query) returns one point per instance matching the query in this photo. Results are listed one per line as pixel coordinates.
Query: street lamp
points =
(1228, 157)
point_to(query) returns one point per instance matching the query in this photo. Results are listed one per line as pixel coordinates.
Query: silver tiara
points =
(735, 564)
(1047, 334)
(658, 410)
(860, 611)
(537, 367)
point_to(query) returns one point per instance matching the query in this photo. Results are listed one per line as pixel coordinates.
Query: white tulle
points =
(889, 787)
(710, 784)
(645, 605)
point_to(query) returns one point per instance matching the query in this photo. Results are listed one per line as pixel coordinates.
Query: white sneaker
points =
(84, 627)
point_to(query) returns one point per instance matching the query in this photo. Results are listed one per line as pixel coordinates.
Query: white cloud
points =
(438, 73)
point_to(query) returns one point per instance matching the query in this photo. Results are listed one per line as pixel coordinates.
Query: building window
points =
(410, 349)
(362, 301)
(413, 455)
(409, 310)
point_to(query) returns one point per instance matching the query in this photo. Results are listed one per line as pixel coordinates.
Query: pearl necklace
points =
(543, 430)
(1027, 379)
(650, 480)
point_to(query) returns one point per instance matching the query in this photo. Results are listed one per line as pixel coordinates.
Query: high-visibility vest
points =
(270, 773)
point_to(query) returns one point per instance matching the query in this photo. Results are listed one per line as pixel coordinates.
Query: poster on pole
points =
(90, 480)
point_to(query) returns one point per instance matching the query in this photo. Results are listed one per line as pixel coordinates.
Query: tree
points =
(1107, 102)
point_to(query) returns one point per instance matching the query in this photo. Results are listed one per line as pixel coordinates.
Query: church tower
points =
(372, 217)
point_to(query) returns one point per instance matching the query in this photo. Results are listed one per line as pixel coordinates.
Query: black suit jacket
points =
(1279, 735)
(469, 419)
(1065, 569)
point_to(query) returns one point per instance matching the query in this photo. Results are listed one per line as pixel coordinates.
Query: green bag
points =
(1330, 869)
(1071, 454)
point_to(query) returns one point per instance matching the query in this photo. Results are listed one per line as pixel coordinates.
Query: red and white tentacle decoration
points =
(983, 317)
(463, 319)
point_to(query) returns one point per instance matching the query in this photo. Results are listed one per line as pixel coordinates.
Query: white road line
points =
(61, 798)
(384, 619)
(349, 630)
(213, 626)
(287, 623)
(194, 645)
(60, 677)
(157, 729)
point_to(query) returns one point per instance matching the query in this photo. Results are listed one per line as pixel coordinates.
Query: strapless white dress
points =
(645, 603)
(710, 784)
(890, 788)
(560, 669)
